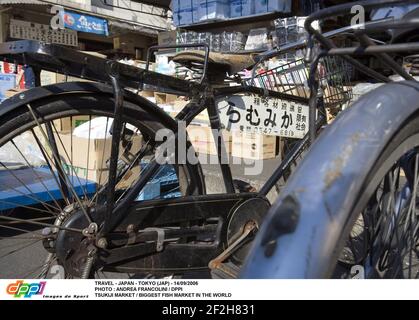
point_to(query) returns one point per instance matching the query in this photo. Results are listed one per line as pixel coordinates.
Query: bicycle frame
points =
(203, 96)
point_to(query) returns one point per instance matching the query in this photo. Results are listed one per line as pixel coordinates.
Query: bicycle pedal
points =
(225, 271)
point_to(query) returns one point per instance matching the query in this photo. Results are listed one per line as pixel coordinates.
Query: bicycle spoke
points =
(33, 171)
(88, 151)
(21, 230)
(42, 224)
(20, 248)
(101, 163)
(50, 167)
(58, 163)
(46, 205)
(71, 161)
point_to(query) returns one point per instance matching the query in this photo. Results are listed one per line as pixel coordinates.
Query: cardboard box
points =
(200, 119)
(254, 146)
(11, 92)
(168, 38)
(95, 168)
(160, 98)
(179, 104)
(48, 78)
(203, 140)
(68, 124)
(146, 94)
(164, 98)
(171, 99)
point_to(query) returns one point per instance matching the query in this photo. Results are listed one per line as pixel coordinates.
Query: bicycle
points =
(350, 208)
(92, 228)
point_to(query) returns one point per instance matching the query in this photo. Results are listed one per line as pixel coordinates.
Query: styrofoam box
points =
(214, 10)
(186, 12)
(241, 8)
(183, 17)
(265, 6)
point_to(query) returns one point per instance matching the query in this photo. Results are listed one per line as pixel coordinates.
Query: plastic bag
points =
(28, 151)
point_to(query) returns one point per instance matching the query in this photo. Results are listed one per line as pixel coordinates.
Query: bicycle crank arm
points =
(249, 229)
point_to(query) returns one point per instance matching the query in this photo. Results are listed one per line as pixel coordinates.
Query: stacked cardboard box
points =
(202, 139)
(164, 98)
(254, 146)
(70, 123)
(88, 158)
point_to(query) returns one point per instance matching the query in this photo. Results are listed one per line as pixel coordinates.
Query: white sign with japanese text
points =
(269, 116)
(42, 32)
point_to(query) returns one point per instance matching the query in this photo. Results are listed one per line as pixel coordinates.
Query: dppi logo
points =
(27, 290)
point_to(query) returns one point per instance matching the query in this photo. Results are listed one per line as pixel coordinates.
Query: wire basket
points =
(292, 78)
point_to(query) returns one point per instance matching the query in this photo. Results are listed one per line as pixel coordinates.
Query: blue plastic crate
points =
(163, 186)
(13, 194)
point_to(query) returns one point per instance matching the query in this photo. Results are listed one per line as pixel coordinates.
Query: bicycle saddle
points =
(218, 62)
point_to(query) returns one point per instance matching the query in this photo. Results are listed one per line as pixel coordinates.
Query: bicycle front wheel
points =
(54, 161)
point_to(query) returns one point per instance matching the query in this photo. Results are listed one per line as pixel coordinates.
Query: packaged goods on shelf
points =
(258, 39)
(232, 41)
(213, 10)
(241, 8)
(289, 30)
(216, 42)
(225, 41)
(266, 6)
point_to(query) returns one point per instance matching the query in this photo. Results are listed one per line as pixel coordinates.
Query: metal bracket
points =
(160, 238)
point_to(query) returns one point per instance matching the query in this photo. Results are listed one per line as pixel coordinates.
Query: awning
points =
(157, 3)
(117, 26)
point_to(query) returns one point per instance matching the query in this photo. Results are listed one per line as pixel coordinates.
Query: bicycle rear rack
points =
(55, 58)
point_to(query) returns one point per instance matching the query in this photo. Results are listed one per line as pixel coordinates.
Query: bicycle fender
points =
(298, 238)
(38, 93)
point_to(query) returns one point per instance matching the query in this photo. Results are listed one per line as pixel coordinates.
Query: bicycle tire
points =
(19, 119)
(307, 227)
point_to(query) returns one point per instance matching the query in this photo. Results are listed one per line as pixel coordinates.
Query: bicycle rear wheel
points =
(383, 240)
(54, 156)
